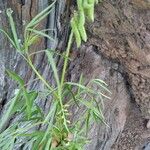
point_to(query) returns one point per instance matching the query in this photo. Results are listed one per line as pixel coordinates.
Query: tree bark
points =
(117, 51)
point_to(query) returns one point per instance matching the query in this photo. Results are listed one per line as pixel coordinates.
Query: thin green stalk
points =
(37, 73)
(66, 58)
(63, 77)
(26, 128)
(63, 114)
(28, 60)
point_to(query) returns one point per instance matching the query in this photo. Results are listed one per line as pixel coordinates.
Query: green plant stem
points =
(66, 58)
(37, 73)
(63, 77)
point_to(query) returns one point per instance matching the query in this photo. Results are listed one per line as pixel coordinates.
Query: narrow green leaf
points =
(33, 134)
(101, 84)
(88, 121)
(39, 111)
(53, 65)
(29, 97)
(73, 96)
(48, 144)
(9, 38)
(32, 40)
(49, 119)
(90, 106)
(40, 33)
(28, 103)
(40, 16)
(15, 77)
(81, 86)
(13, 28)
(100, 81)
(8, 113)
(32, 96)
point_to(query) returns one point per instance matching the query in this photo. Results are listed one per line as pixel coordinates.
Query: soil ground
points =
(135, 135)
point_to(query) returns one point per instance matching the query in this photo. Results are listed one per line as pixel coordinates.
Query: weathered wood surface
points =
(117, 51)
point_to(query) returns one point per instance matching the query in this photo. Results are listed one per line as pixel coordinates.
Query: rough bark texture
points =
(118, 51)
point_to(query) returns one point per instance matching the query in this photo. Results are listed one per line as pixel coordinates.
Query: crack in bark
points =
(30, 10)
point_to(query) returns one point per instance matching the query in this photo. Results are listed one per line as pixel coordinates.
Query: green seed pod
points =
(79, 3)
(86, 5)
(91, 1)
(75, 30)
(81, 27)
(83, 33)
(81, 17)
(90, 12)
